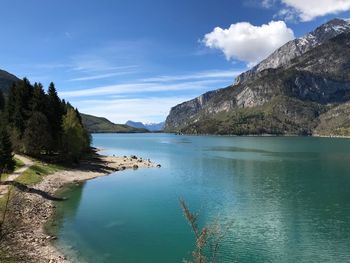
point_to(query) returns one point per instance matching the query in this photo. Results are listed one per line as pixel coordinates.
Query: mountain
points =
(298, 47)
(136, 124)
(294, 91)
(6, 80)
(153, 127)
(102, 125)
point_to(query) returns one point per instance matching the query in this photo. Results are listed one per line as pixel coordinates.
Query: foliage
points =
(35, 121)
(335, 121)
(37, 138)
(76, 139)
(208, 238)
(2, 101)
(7, 163)
(55, 114)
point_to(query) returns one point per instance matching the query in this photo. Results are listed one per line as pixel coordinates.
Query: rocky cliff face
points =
(184, 113)
(305, 79)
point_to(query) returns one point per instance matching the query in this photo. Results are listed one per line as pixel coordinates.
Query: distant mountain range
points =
(102, 125)
(303, 88)
(153, 127)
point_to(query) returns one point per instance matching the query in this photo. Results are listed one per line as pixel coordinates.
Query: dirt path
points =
(27, 163)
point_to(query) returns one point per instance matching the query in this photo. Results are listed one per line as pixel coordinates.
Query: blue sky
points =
(135, 59)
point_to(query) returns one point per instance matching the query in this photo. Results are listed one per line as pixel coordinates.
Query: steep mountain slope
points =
(298, 47)
(102, 125)
(284, 100)
(6, 80)
(335, 122)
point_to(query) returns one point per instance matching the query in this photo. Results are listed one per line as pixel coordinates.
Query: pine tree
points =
(39, 100)
(37, 138)
(7, 163)
(55, 115)
(2, 101)
(79, 116)
(10, 105)
(19, 105)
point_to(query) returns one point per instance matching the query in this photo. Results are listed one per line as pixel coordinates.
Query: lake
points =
(279, 199)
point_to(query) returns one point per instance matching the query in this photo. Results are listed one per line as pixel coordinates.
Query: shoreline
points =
(28, 240)
(265, 135)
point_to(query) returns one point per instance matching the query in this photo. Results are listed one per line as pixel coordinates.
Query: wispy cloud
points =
(144, 88)
(199, 75)
(103, 76)
(148, 99)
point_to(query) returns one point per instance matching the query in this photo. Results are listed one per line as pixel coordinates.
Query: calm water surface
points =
(288, 200)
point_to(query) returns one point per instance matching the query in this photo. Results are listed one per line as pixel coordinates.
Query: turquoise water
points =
(286, 199)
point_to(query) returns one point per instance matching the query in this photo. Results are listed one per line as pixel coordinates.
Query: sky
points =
(135, 59)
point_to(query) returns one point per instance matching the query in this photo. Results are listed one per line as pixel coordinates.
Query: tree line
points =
(39, 124)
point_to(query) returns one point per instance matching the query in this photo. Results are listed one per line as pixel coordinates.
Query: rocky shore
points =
(26, 239)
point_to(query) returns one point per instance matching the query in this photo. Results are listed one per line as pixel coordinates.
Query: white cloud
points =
(249, 43)
(310, 9)
(301, 10)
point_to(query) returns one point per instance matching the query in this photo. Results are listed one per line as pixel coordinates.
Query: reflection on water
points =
(288, 199)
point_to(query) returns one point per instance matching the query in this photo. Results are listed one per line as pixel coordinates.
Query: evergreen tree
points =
(37, 138)
(18, 121)
(11, 103)
(7, 163)
(55, 114)
(2, 101)
(79, 116)
(24, 98)
(39, 100)
(19, 105)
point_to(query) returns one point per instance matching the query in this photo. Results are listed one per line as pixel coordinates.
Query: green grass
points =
(36, 172)
(19, 164)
